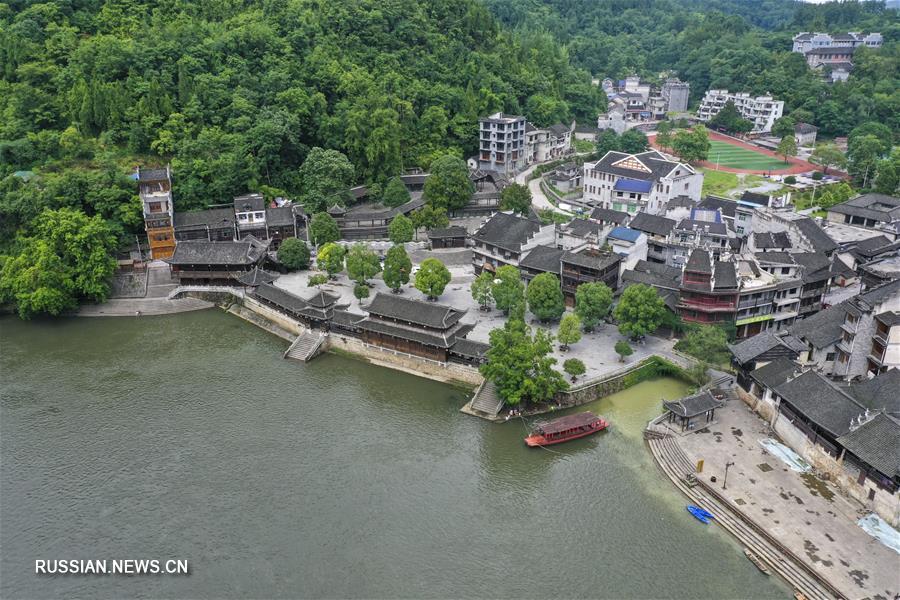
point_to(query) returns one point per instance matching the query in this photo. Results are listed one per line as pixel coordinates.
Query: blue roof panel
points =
(633, 185)
(624, 233)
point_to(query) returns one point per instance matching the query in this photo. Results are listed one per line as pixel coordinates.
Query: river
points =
(188, 437)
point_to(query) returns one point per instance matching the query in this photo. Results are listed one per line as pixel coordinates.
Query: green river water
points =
(188, 437)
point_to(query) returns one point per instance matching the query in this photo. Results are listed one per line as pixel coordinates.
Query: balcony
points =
(849, 328)
(880, 337)
(845, 347)
(705, 305)
(876, 357)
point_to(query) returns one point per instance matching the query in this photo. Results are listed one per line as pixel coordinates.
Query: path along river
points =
(189, 437)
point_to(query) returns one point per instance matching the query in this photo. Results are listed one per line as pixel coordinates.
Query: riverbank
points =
(797, 524)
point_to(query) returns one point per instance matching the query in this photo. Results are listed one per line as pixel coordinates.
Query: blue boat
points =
(700, 514)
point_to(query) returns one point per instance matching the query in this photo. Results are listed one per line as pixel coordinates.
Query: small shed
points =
(702, 405)
(448, 237)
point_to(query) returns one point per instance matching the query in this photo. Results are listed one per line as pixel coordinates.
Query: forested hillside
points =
(736, 44)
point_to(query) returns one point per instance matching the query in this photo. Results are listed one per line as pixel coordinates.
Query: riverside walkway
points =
(798, 525)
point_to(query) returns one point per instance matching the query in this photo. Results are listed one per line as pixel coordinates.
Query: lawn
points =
(736, 157)
(718, 183)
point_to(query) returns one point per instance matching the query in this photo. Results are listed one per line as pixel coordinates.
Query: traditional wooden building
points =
(155, 191)
(217, 263)
(415, 327)
(370, 221)
(280, 224)
(588, 266)
(448, 237)
(701, 407)
(316, 312)
(211, 225)
(709, 291)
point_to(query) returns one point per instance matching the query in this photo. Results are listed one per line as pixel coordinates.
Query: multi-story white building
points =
(676, 93)
(762, 111)
(638, 182)
(806, 41)
(501, 143)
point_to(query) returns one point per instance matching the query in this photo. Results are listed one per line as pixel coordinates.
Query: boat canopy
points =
(566, 423)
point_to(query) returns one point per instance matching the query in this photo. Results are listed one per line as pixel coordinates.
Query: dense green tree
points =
(323, 229)
(431, 278)
(623, 349)
(430, 217)
(331, 258)
(482, 290)
(607, 141)
(361, 291)
(508, 290)
(707, 343)
(66, 259)
(730, 120)
(574, 368)
(640, 310)
(783, 126)
(592, 303)
(545, 298)
(872, 128)
(633, 141)
(448, 186)
(294, 254)
(828, 155)
(317, 280)
(401, 229)
(517, 198)
(397, 267)
(324, 178)
(395, 193)
(664, 135)
(519, 364)
(692, 145)
(787, 147)
(569, 330)
(887, 178)
(362, 264)
(863, 155)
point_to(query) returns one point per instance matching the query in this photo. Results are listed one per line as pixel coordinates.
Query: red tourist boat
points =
(565, 428)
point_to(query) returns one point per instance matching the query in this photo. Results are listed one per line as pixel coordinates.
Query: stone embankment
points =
(790, 567)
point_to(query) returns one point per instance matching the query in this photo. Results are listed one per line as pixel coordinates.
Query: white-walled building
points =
(762, 111)
(501, 143)
(630, 244)
(634, 183)
(806, 41)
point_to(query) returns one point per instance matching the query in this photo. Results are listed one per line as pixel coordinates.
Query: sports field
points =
(736, 157)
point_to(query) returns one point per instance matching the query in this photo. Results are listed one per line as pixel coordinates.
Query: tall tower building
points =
(501, 143)
(155, 189)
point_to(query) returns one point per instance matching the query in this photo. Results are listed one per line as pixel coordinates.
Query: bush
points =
(361, 290)
(317, 279)
(790, 179)
(574, 367)
(817, 175)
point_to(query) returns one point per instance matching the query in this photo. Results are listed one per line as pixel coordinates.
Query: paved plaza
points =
(595, 349)
(809, 516)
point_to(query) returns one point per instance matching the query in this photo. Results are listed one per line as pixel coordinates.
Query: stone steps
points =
(487, 400)
(306, 346)
(677, 466)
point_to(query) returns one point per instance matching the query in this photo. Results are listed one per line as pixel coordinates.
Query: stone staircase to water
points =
(677, 466)
(305, 346)
(487, 400)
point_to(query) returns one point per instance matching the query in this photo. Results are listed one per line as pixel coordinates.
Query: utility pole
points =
(725, 481)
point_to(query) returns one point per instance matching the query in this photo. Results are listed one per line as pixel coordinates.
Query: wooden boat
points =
(702, 515)
(756, 561)
(566, 428)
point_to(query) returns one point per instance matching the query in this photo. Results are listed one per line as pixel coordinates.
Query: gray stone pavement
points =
(595, 349)
(806, 514)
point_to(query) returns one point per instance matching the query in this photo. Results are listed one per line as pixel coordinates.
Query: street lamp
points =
(724, 481)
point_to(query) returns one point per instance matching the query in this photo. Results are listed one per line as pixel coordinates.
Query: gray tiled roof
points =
(880, 393)
(506, 231)
(655, 162)
(212, 217)
(820, 401)
(770, 239)
(419, 312)
(591, 260)
(778, 258)
(582, 228)
(681, 202)
(775, 373)
(543, 258)
(753, 347)
(199, 252)
(558, 129)
(694, 405)
(283, 298)
(692, 225)
(724, 205)
(249, 202)
(866, 248)
(652, 224)
(428, 337)
(755, 198)
(877, 442)
(816, 235)
(152, 175)
(471, 348)
(699, 262)
(256, 276)
(280, 216)
(805, 128)
(346, 318)
(447, 232)
(879, 207)
(607, 215)
(821, 329)
(725, 275)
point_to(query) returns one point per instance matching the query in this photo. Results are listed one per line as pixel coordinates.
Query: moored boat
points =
(565, 428)
(702, 515)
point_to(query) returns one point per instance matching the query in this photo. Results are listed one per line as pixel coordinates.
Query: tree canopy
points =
(517, 198)
(397, 267)
(640, 310)
(592, 303)
(294, 254)
(448, 186)
(545, 298)
(323, 229)
(401, 229)
(431, 278)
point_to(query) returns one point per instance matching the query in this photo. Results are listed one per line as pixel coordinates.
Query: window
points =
(785, 270)
(259, 215)
(155, 206)
(829, 357)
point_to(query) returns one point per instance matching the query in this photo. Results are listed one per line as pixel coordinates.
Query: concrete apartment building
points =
(636, 183)
(676, 94)
(155, 191)
(762, 111)
(806, 41)
(501, 143)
